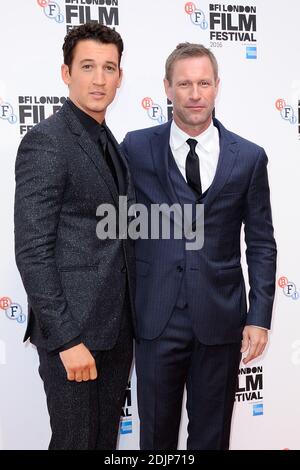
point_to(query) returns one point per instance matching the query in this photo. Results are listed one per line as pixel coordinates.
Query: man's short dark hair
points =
(93, 31)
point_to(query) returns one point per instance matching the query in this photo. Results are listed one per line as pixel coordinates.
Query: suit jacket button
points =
(179, 269)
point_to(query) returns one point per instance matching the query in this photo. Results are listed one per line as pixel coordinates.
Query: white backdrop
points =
(257, 45)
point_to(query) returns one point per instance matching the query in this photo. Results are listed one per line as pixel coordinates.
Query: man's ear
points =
(65, 74)
(120, 78)
(217, 86)
(168, 89)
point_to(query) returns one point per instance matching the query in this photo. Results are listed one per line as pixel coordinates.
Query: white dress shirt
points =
(207, 149)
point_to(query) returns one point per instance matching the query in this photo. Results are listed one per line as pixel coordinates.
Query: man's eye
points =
(87, 66)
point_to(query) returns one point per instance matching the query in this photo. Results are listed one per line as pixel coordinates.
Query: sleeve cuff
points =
(68, 345)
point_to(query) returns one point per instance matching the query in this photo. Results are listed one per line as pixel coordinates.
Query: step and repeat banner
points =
(256, 43)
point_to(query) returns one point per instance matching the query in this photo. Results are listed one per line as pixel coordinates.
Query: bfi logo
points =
(51, 10)
(12, 310)
(7, 112)
(196, 15)
(154, 110)
(286, 111)
(289, 288)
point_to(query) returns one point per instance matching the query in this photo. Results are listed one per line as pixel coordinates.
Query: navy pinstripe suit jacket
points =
(214, 280)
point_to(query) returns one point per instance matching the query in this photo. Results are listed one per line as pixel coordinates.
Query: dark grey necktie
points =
(192, 168)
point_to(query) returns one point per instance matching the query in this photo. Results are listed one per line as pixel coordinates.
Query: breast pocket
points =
(233, 187)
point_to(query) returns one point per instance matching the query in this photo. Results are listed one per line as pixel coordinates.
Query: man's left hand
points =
(255, 340)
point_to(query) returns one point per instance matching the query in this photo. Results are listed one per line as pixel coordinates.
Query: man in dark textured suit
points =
(79, 287)
(191, 304)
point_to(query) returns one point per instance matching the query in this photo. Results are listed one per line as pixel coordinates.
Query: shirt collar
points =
(206, 139)
(89, 123)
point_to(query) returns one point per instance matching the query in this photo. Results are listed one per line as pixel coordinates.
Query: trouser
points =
(168, 363)
(86, 415)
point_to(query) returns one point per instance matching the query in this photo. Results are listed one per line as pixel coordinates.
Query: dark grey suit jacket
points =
(75, 282)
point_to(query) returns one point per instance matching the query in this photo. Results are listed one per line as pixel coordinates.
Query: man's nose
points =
(99, 76)
(195, 92)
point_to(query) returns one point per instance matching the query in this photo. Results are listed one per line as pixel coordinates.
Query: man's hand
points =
(254, 339)
(79, 363)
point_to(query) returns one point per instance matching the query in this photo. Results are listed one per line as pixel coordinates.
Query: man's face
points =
(94, 77)
(192, 90)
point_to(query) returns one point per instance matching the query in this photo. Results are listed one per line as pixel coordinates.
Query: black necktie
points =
(103, 141)
(192, 169)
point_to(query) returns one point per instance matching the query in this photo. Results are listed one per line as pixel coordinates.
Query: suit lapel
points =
(227, 159)
(90, 148)
(160, 154)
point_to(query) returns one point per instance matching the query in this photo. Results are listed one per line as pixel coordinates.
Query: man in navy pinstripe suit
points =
(192, 315)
